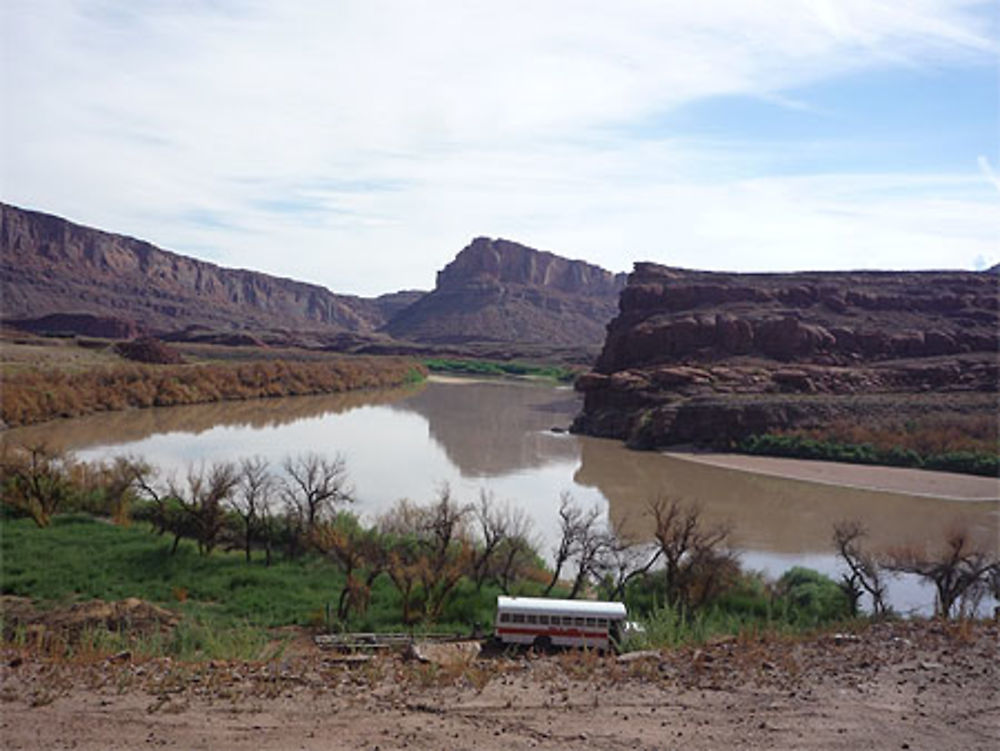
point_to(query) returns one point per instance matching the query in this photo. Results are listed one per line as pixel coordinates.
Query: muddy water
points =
(494, 436)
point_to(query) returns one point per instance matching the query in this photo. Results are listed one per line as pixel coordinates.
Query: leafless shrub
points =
(623, 560)
(698, 561)
(577, 527)
(118, 481)
(202, 499)
(429, 550)
(864, 574)
(493, 524)
(313, 487)
(358, 552)
(250, 501)
(962, 573)
(516, 555)
(35, 481)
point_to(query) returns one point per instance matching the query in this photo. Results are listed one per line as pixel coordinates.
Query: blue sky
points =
(360, 145)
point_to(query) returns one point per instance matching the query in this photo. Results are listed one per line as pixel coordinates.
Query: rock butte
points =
(702, 357)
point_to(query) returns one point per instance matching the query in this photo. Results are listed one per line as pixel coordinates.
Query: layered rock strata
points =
(701, 357)
(497, 298)
(51, 266)
(500, 291)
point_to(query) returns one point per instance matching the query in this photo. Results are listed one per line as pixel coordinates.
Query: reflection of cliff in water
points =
(773, 513)
(136, 424)
(495, 428)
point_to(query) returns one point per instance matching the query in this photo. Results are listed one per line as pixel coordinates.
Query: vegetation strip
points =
(500, 368)
(239, 549)
(35, 396)
(799, 446)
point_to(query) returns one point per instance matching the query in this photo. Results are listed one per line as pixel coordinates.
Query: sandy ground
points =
(913, 481)
(891, 686)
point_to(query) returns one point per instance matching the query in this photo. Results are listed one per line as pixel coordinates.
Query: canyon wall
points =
(703, 357)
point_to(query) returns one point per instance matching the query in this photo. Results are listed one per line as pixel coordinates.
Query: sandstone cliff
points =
(51, 266)
(496, 299)
(710, 358)
(500, 291)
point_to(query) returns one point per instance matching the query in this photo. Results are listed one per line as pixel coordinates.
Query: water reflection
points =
(402, 443)
(772, 513)
(493, 428)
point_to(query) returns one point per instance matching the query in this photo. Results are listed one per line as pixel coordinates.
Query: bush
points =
(34, 396)
(802, 446)
(812, 597)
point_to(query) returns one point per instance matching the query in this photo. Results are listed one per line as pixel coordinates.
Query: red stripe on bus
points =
(549, 632)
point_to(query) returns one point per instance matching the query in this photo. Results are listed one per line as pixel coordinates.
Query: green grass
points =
(80, 558)
(802, 447)
(801, 601)
(495, 368)
(228, 607)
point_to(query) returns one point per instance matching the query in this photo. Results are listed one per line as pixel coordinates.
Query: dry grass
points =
(928, 436)
(35, 395)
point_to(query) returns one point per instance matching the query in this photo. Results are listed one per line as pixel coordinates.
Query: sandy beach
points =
(921, 482)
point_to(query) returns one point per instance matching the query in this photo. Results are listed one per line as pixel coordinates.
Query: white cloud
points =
(361, 144)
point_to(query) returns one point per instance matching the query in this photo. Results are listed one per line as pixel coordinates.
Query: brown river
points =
(496, 436)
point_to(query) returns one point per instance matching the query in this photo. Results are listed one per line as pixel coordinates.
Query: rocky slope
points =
(50, 265)
(496, 298)
(500, 291)
(710, 358)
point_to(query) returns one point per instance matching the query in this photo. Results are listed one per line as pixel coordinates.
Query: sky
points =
(361, 145)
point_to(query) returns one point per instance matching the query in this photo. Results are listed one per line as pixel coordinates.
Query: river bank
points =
(918, 482)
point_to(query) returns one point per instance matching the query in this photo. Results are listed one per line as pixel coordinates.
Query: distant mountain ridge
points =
(54, 273)
(51, 265)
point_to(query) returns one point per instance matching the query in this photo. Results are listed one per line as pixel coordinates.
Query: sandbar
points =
(923, 482)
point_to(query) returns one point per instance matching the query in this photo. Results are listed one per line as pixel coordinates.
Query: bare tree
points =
(35, 481)
(575, 525)
(251, 498)
(202, 498)
(961, 573)
(864, 570)
(358, 552)
(504, 533)
(313, 488)
(594, 543)
(429, 551)
(517, 553)
(698, 561)
(449, 551)
(624, 560)
(119, 483)
(144, 477)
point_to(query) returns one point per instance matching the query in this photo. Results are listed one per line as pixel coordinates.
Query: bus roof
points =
(596, 608)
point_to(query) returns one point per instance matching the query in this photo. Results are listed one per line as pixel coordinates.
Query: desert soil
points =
(913, 481)
(904, 685)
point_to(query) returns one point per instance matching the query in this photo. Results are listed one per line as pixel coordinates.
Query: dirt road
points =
(898, 686)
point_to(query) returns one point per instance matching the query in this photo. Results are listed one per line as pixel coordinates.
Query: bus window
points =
(532, 619)
(602, 622)
(580, 621)
(543, 620)
(591, 622)
(504, 617)
(567, 620)
(518, 617)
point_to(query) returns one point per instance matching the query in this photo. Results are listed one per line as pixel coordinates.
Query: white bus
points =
(543, 623)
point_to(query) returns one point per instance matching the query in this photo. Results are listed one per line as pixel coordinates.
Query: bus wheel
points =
(542, 644)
